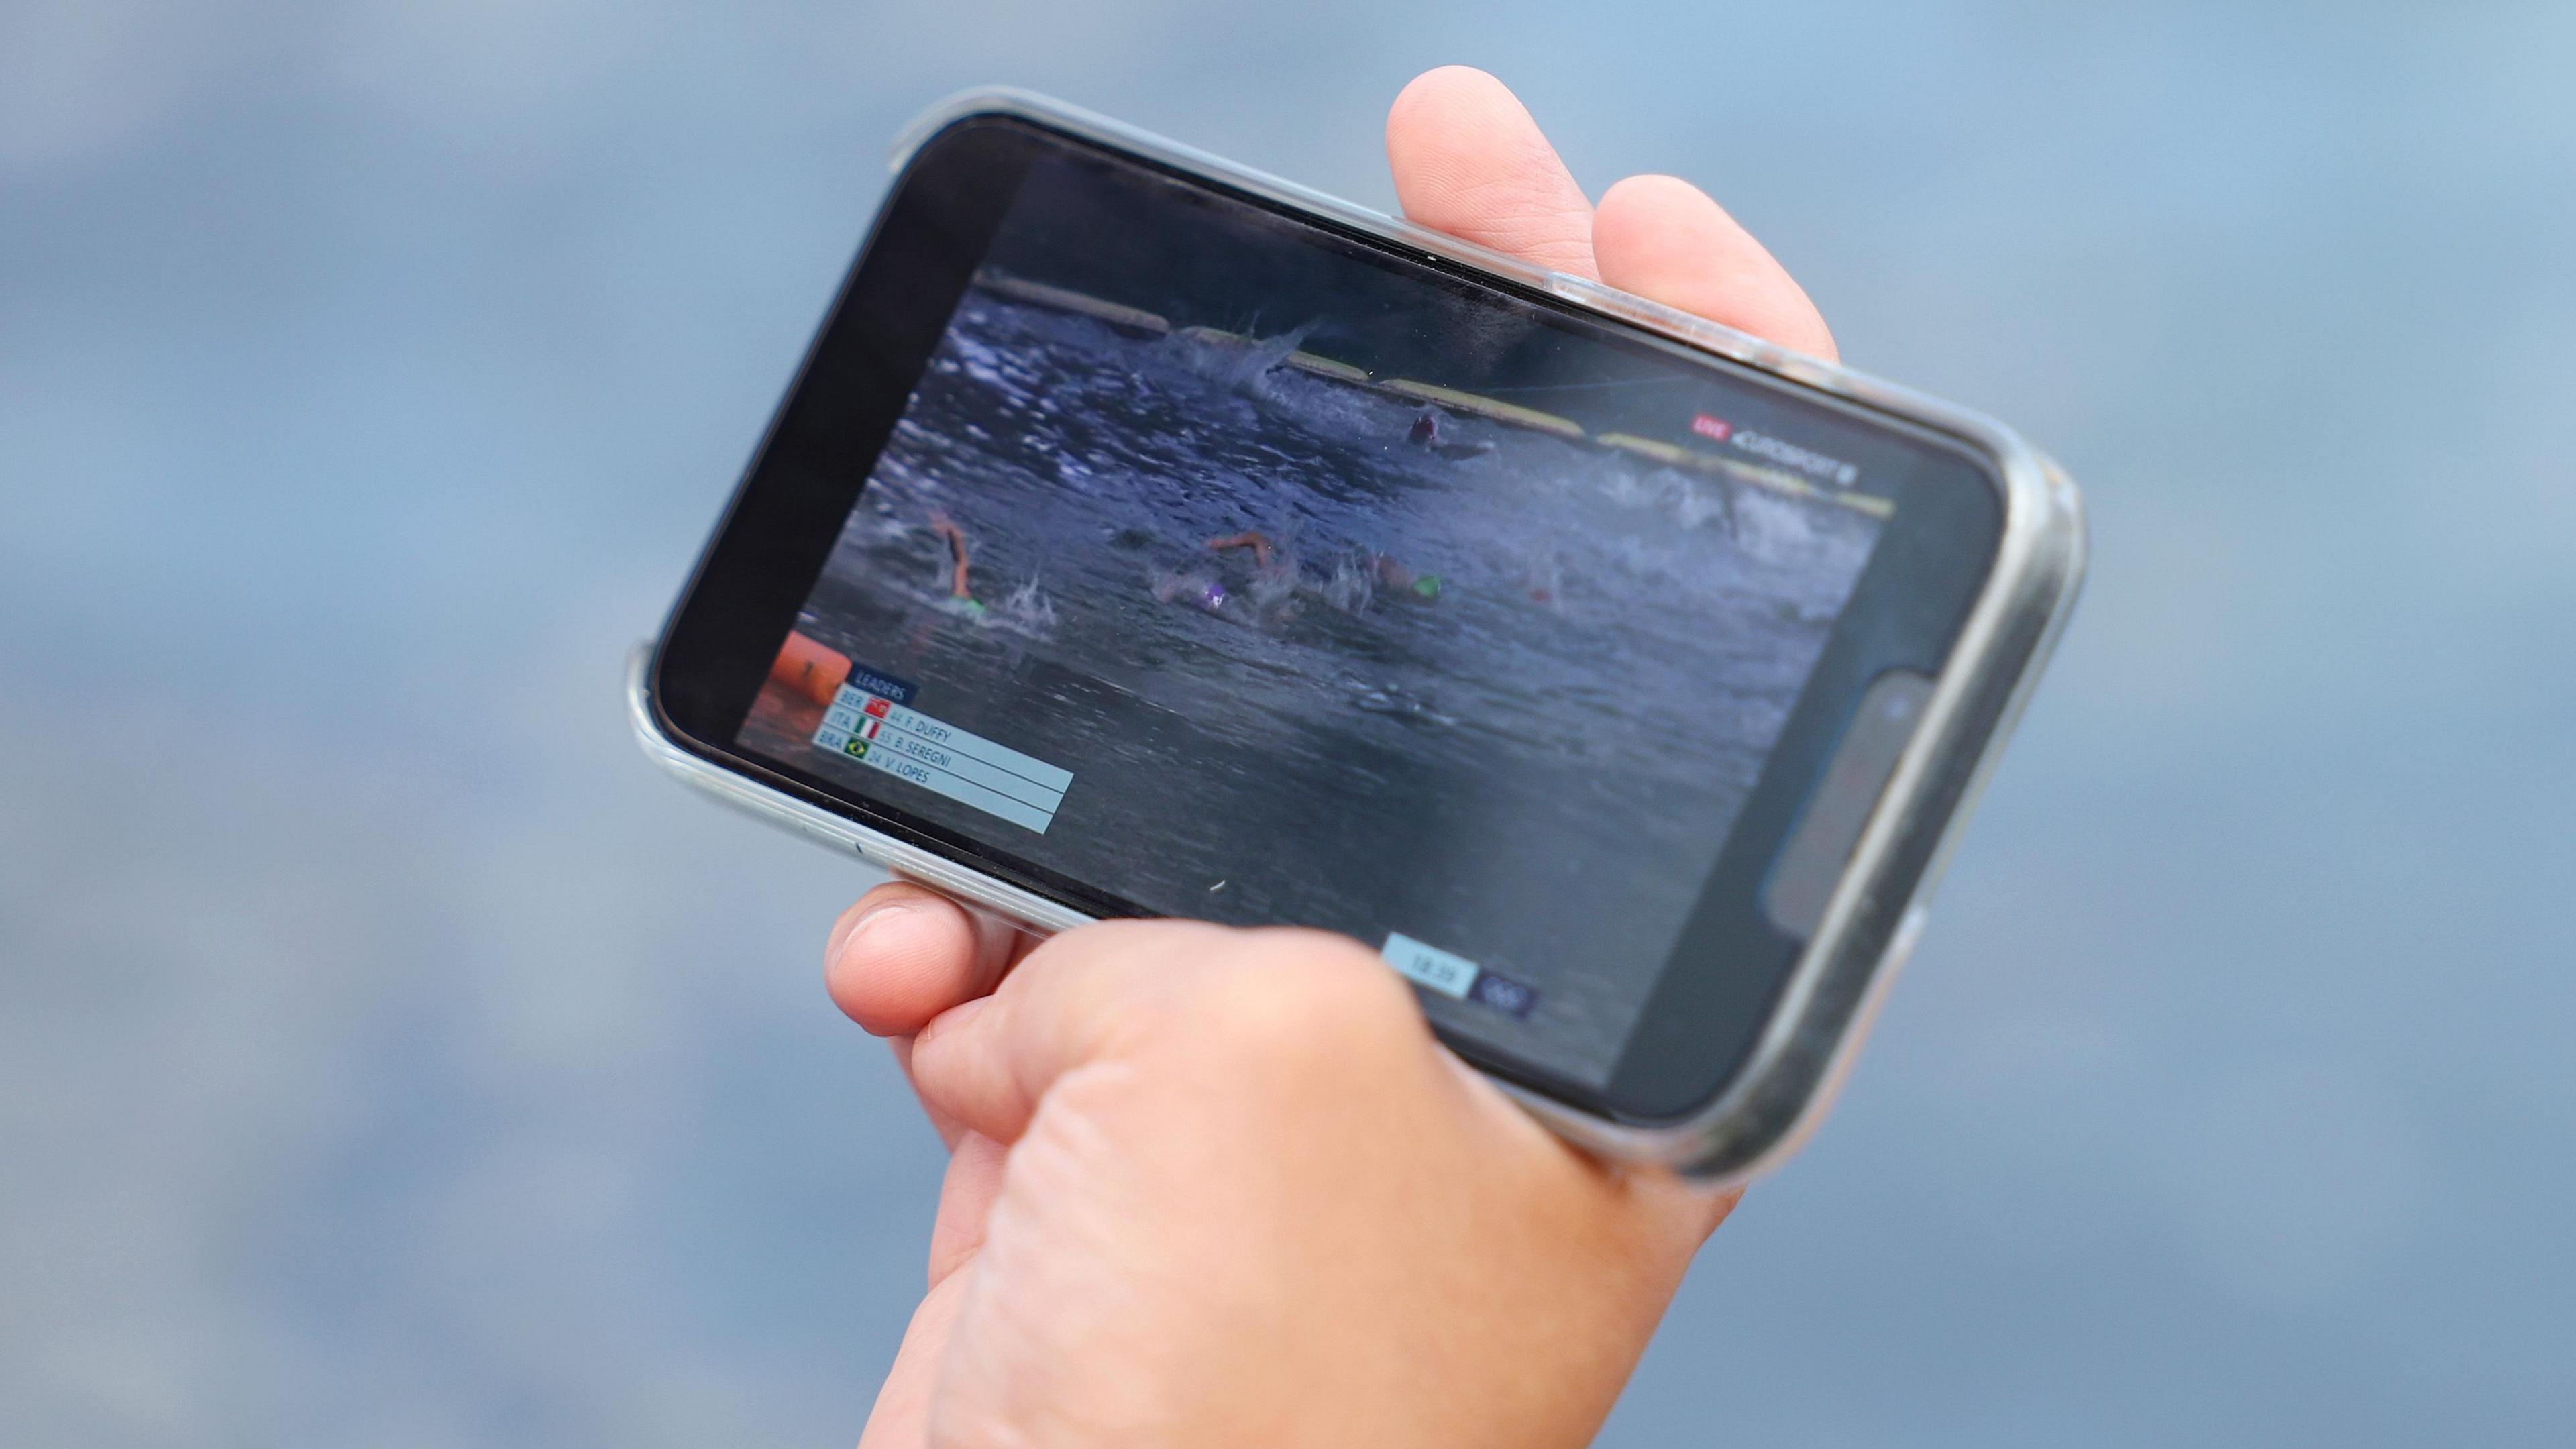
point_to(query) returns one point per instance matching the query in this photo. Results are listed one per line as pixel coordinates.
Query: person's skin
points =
(1212, 1186)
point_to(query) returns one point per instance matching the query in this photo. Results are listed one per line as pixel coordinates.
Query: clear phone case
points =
(1875, 915)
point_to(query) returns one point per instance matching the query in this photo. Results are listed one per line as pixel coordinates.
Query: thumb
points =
(986, 1063)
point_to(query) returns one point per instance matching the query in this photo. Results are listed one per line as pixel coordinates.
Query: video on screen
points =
(1248, 578)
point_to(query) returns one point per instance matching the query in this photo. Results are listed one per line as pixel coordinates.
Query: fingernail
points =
(953, 1019)
(869, 921)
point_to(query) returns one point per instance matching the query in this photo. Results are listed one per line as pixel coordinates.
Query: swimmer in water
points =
(1401, 581)
(1276, 579)
(1259, 545)
(1390, 574)
(941, 525)
(1426, 433)
(1188, 586)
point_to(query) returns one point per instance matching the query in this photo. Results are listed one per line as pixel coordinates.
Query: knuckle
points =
(1294, 997)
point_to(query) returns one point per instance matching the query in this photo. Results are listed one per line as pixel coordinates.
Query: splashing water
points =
(1194, 587)
(1353, 585)
(1246, 370)
(1029, 608)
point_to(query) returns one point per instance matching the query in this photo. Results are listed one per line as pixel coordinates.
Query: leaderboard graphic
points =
(872, 722)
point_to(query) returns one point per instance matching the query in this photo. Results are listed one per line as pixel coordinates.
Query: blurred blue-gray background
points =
(389, 1057)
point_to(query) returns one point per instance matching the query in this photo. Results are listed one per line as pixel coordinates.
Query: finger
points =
(965, 1204)
(950, 1130)
(1664, 239)
(1114, 988)
(1469, 161)
(901, 1417)
(985, 1062)
(904, 954)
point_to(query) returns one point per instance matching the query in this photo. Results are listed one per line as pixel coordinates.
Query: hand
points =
(1469, 161)
(1218, 1187)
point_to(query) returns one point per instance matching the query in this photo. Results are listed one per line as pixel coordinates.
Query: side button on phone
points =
(1808, 869)
(1900, 947)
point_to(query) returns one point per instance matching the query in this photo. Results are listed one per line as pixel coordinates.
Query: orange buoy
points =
(809, 668)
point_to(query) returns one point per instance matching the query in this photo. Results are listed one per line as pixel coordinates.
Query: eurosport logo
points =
(1788, 455)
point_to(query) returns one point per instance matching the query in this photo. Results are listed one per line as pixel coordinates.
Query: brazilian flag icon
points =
(856, 749)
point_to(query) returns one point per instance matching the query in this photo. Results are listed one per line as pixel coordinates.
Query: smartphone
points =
(1145, 536)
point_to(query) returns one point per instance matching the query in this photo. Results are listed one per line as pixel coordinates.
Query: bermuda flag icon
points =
(1711, 427)
(877, 707)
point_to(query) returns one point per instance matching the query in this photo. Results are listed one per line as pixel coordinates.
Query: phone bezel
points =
(771, 540)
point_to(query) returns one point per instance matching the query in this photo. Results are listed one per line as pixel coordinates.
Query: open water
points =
(1497, 690)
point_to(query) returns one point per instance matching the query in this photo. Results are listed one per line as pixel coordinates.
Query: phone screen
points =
(1243, 570)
